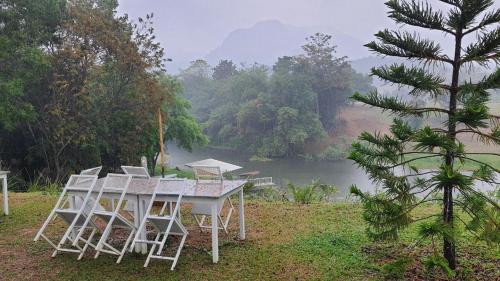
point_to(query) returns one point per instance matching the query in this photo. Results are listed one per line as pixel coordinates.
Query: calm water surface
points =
(341, 173)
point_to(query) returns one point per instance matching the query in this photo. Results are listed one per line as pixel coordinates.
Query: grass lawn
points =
(285, 241)
(188, 174)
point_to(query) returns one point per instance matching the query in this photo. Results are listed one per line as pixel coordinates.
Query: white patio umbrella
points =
(224, 167)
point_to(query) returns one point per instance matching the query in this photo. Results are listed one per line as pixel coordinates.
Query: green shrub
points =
(44, 185)
(314, 192)
(248, 187)
(333, 152)
(270, 194)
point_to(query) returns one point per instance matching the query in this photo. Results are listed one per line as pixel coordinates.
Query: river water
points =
(341, 173)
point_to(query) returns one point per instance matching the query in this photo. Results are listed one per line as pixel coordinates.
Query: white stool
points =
(3, 178)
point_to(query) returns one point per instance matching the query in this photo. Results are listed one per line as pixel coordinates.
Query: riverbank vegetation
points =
(276, 112)
(314, 242)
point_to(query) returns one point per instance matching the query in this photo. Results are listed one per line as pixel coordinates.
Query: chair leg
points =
(178, 253)
(87, 243)
(152, 250)
(103, 239)
(125, 246)
(224, 226)
(104, 236)
(54, 253)
(200, 223)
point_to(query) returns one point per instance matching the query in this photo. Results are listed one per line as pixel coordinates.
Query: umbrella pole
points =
(162, 150)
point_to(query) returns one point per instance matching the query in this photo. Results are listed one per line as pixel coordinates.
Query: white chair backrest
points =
(136, 172)
(80, 183)
(118, 185)
(158, 191)
(92, 171)
(208, 173)
(116, 182)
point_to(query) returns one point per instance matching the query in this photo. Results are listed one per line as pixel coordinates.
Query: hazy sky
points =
(195, 27)
(190, 29)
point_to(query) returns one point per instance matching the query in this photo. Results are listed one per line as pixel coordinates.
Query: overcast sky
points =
(195, 27)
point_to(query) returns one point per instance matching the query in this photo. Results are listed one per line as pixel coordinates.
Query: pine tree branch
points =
(426, 217)
(492, 81)
(464, 206)
(409, 161)
(395, 104)
(483, 153)
(481, 134)
(417, 14)
(419, 152)
(479, 162)
(486, 48)
(465, 12)
(489, 18)
(479, 179)
(455, 3)
(469, 230)
(407, 45)
(415, 77)
(424, 189)
(420, 174)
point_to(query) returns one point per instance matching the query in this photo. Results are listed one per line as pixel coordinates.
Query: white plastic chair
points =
(210, 175)
(115, 186)
(92, 171)
(90, 203)
(164, 223)
(78, 186)
(136, 172)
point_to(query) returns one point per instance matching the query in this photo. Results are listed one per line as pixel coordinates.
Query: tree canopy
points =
(273, 112)
(81, 86)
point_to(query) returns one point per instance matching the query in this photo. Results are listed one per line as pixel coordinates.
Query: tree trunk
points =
(449, 250)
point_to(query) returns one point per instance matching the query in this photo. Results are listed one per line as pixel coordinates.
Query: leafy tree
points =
(330, 76)
(224, 70)
(24, 26)
(198, 88)
(82, 86)
(383, 157)
(180, 125)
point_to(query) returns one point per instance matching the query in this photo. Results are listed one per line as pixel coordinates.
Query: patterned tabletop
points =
(191, 188)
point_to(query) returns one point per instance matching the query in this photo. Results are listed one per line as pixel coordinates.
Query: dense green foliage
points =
(387, 157)
(273, 113)
(81, 86)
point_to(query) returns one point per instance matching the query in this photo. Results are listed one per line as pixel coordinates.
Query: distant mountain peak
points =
(267, 40)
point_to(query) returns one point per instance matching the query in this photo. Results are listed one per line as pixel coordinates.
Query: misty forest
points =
(250, 140)
(274, 111)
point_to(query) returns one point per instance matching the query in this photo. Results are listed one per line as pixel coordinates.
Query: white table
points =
(141, 190)
(3, 178)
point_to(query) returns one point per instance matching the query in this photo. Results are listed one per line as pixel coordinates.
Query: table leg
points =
(142, 213)
(242, 216)
(137, 222)
(73, 205)
(5, 197)
(215, 234)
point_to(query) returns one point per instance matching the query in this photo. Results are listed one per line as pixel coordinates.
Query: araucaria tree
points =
(389, 159)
